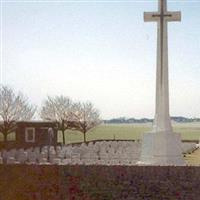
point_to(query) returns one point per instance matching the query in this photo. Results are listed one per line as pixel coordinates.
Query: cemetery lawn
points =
(189, 131)
(194, 158)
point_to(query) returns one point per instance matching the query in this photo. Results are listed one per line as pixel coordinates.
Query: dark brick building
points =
(35, 133)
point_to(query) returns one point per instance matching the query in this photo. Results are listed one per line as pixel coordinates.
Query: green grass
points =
(10, 137)
(121, 131)
(188, 131)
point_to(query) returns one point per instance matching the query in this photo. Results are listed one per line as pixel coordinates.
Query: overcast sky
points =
(100, 51)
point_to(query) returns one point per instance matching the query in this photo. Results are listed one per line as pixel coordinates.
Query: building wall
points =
(41, 135)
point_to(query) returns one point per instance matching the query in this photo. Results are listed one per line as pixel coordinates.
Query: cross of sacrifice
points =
(162, 17)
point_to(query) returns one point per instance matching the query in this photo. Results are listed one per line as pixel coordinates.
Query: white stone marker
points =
(162, 146)
(1, 160)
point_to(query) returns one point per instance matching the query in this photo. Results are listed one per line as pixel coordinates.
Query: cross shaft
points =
(162, 120)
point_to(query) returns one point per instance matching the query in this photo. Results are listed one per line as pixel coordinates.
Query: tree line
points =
(123, 120)
(15, 106)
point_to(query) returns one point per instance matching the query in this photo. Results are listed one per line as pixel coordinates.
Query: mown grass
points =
(111, 131)
(194, 158)
(188, 131)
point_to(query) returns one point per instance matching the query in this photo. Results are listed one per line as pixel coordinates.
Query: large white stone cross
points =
(162, 121)
(162, 146)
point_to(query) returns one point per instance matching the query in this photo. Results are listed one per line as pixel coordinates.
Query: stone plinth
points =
(161, 148)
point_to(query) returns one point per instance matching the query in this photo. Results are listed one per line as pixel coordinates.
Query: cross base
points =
(161, 148)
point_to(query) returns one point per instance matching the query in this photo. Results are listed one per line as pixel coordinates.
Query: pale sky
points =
(100, 51)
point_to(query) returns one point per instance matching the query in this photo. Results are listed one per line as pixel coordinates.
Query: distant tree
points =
(58, 109)
(85, 117)
(13, 107)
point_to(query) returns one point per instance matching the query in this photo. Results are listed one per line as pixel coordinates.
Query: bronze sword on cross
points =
(162, 17)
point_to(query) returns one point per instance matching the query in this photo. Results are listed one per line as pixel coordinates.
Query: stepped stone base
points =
(161, 148)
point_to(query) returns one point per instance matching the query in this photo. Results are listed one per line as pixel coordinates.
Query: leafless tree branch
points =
(59, 109)
(13, 107)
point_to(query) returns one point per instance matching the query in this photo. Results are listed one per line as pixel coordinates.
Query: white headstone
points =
(56, 161)
(1, 160)
(52, 156)
(43, 161)
(66, 161)
(32, 158)
(23, 156)
(11, 160)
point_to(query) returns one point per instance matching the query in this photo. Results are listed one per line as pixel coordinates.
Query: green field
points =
(189, 131)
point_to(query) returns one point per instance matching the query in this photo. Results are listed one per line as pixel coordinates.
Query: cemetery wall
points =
(29, 182)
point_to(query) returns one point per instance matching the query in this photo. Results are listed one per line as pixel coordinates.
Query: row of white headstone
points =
(106, 153)
(98, 153)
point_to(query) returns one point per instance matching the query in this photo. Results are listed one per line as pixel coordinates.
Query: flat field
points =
(188, 131)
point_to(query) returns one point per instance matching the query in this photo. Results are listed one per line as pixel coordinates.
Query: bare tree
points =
(85, 117)
(57, 109)
(13, 108)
